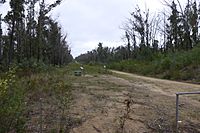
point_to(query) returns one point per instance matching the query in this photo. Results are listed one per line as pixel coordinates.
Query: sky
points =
(88, 22)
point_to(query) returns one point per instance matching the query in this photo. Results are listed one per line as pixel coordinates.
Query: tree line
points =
(146, 35)
(32, 35)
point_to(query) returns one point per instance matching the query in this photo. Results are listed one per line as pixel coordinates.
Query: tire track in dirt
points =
(163, 83)
(100, 103)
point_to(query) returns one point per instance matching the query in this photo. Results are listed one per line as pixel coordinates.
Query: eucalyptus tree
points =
(194, 23)
(128, 45)
(0, 39)
(138, 25)
(142, 30)
(42, 28)
(1, 32)
(14, 19)
(174, 22)
(30, 50)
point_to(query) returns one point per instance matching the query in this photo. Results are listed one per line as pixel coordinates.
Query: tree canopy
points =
(33, 37)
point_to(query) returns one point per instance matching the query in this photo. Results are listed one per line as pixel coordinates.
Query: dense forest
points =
(163, 43)
(31, 43)
(32, 37)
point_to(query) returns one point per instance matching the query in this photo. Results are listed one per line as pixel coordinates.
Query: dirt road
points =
(128, 103)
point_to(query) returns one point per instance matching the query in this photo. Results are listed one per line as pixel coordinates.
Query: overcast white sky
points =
(89, 22)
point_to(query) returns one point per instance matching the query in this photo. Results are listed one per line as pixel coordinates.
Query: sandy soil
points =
(116, 103)
(128, 103)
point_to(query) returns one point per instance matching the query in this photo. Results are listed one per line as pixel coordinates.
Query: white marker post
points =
(82, 70)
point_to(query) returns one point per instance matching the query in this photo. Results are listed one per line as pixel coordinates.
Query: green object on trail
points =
(77, 73)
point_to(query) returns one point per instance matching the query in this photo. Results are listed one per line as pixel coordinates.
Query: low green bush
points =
(170, 65)
(11, 103)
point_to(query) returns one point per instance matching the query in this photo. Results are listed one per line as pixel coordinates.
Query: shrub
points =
(167, 66)
(11, 103)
